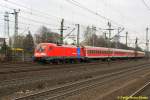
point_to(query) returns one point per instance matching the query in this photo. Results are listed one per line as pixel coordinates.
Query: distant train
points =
(50, 52)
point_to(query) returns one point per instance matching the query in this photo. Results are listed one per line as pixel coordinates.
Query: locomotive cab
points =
(43, 51)
(40, 50)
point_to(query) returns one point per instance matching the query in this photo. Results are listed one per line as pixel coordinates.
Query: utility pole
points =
(15, 13)
(147, 43)
(126, 38)
(16, 21)
(105, 37)
(109, 43)
(136, 42)
(78, 35)
(61, 31)
(109, 38)
(109, 29)
(93, 35)
(136, 46)
(118, 36)
(6, 23)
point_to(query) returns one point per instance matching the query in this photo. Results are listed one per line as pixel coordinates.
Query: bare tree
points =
(46, 35)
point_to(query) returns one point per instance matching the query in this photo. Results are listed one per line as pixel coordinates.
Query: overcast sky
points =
(133, 15)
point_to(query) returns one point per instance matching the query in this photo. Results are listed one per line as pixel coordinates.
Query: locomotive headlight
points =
(36, 54)
(43, 54)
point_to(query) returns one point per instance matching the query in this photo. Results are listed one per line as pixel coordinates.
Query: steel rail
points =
(139, 90)
(83, 82)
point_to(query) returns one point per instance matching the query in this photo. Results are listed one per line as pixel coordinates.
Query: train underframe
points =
(59, 60)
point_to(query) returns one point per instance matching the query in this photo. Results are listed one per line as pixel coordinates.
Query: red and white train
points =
(53, 52)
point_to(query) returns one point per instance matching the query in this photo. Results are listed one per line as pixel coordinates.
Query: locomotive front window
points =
(41, 48)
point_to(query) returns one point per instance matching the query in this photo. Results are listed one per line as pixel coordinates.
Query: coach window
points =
(87, 51)
(104, 52)
(108, 52)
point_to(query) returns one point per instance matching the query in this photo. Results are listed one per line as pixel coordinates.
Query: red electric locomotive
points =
(54, 52)
(57, 53)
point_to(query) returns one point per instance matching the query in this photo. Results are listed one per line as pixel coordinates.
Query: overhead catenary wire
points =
(75, 3)
(13, 9)
(36, 21)
(145, 4)
(33, 20)
(38, 13)
(33, 13)
(35, 10)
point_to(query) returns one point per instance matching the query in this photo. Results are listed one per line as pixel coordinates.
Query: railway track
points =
(71, 88)
(143, 91)
(100, 71)
(36, 67)
(29, 68)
